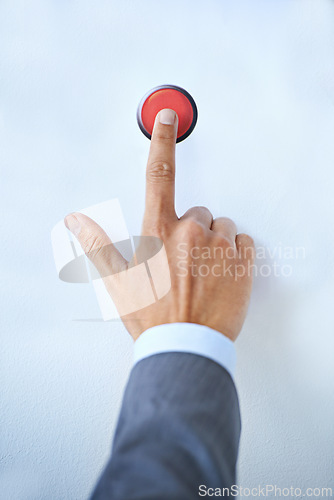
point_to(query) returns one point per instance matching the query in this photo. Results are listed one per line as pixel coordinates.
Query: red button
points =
(172, 97)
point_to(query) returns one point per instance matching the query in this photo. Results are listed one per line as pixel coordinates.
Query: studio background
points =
(71, 76)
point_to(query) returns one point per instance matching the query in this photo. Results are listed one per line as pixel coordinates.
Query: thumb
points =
(96, 244)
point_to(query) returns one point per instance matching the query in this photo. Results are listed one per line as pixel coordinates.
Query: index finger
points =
(160, 172)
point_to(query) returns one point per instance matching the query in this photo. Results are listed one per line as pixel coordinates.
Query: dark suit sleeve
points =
(178, 428)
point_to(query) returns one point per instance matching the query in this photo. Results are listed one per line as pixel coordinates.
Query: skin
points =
(219, 299)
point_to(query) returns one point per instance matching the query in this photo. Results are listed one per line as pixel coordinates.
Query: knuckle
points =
(160, 171)
(155, 229)
(223, 241)
(224, 225)
(229, 221)
(201, 208)
(92, 244)
(165, 135)
(159, 228)
(246, 246)
(203, 211)
(245, 240)
(193, 229)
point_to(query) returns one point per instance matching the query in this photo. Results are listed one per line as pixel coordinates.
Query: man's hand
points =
(210, 265)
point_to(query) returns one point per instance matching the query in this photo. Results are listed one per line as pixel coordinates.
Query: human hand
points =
(210, 265)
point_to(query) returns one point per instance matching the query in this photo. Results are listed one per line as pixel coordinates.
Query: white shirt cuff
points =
(187, 337)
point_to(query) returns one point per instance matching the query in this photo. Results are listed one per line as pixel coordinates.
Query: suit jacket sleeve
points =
(178, 428)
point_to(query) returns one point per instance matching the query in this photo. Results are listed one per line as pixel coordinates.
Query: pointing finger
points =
(160, 173)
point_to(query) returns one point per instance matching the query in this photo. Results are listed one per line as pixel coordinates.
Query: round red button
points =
(172, 97)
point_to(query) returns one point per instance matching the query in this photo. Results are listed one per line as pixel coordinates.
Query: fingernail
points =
(72, 223)
(167, 117)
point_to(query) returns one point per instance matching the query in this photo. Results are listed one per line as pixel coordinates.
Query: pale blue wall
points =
(71, 75)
